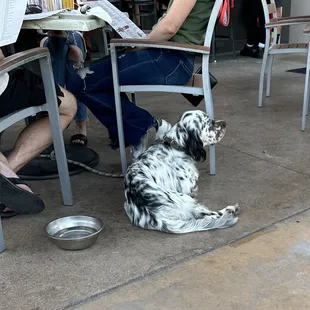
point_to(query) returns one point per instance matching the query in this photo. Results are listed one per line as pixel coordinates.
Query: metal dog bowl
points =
(74, 232)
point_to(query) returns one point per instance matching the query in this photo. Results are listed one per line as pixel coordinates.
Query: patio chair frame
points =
(272, 48)
(51, 106)
(198, 85)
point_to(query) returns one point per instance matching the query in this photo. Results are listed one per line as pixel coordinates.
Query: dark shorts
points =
(25, 89)
(279, 3)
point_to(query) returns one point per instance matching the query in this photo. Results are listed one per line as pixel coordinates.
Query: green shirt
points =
(194, 28)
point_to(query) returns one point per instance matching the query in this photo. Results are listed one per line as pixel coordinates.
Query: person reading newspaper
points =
(184, 22)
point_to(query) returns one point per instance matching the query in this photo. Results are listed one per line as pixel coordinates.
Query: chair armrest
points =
(287, 21)
(307, 29)
(160, 44)
(19, 59)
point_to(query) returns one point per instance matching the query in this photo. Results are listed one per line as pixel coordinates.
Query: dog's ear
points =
(194, 146)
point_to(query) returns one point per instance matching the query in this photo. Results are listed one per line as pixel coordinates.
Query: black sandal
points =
(6, 214)
(82, 140)
(17, 199)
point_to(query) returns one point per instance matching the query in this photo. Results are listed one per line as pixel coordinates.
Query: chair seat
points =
(17, 116)
(289, 48)
(193, 86)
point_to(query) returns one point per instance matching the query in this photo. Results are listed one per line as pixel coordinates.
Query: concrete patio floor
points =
(262, 163)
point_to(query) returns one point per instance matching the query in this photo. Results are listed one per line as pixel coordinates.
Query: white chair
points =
(198, 85)
(307, 82)
(272, 49)
(51, 106)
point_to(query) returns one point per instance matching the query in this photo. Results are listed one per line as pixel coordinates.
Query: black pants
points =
(252, 11)
(254, 21)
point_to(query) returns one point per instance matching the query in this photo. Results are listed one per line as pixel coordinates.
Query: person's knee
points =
(68, 104)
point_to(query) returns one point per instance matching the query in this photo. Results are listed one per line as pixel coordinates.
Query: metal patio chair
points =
(307, 82)
(198, 85)
(51, 106)
(272, 48)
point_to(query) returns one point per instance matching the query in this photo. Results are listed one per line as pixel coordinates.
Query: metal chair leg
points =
(306, 94)
(213, 47)
(118, 106)
(232, 37)
(269, 72)
(52, 108)
(209, 107)
(263, 70)
(2, 246)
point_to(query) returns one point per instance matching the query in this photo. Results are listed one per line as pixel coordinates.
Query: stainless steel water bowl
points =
(74, 232)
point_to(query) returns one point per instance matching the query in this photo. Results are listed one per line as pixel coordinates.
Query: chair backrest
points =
(212, 22)
(269, 9)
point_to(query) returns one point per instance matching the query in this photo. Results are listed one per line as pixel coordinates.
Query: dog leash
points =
(224, 14)
(52, 156)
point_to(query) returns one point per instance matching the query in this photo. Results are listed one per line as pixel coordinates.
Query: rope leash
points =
(52, 156)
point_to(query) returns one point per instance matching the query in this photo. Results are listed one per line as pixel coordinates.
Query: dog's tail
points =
(221, 219)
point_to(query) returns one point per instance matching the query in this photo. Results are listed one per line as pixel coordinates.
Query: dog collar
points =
(173, 144)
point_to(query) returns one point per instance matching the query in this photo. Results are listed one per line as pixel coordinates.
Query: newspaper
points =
(11, 18)
(42, 15)
(118, 20)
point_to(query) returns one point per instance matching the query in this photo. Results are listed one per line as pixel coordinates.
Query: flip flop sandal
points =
(83, 140)
(6, 214)
(17, 199)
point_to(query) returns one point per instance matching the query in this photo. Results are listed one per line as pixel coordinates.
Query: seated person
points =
(184, 22)
(18, 90)
(254, 23)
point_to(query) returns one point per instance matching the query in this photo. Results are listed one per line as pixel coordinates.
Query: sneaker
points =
(161, 129)
(253, 51)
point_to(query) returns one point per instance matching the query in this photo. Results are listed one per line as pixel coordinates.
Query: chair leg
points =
(209, 107)
(263, 70)
(118, 106)
(306, 94)
(269, 72)
(213, 47)
(52, 108)
(2, 246)
(232, 37)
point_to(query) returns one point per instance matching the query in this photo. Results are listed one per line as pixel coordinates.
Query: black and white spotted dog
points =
(160, 186)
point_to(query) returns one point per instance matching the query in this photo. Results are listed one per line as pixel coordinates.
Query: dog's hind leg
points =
(203, 220)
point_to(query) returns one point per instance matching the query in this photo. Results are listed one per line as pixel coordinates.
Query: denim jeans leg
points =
(81, 113)
(142, 67)
(136, 121)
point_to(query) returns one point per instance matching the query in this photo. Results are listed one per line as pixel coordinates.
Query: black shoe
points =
(254, 52)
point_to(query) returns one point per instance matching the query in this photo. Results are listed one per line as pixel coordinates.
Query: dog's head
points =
(194, 131)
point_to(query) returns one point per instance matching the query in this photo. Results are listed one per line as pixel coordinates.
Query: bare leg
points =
(80, 128)
(37, 136)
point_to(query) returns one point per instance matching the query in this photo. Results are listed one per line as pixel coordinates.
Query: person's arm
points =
(172, 22)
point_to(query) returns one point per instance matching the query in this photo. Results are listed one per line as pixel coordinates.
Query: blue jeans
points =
(140, 67)
(62, 67)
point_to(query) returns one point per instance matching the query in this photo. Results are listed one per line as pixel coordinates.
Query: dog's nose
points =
(223, 124)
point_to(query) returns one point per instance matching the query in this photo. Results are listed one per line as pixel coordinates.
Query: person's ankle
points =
(81, 127)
